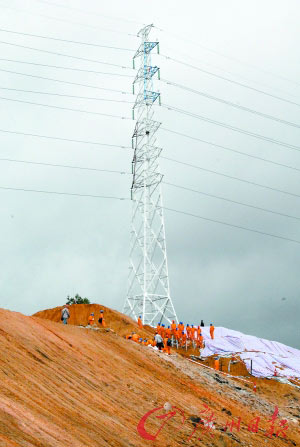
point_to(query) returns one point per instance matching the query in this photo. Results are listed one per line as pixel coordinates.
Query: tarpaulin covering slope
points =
(266, 355)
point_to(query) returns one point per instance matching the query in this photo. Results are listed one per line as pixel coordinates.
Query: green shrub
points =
(77, 300)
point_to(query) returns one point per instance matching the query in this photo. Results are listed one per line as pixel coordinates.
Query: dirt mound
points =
(66, 386)
(115, 320)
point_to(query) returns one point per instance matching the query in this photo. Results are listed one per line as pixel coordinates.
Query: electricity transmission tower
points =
(148, 292)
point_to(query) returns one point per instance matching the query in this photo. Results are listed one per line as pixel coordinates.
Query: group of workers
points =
(65, 315)
(101, 321)
(162, 344)
(179, 335)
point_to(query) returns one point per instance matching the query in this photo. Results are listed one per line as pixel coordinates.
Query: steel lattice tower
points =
(148, 292)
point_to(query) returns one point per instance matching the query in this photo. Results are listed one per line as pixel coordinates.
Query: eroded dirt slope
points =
(64, 386)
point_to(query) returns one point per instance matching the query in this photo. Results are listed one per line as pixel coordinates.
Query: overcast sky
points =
(53, 246)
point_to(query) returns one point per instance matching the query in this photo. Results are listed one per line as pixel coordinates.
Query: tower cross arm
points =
(146, 73)
(146, 48)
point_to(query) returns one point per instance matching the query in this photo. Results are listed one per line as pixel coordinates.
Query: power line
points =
(69, 140)
(65, 55)
(130, 148)
(67, 96)
(242, 77)
(65, 40)
(232, 104)
(219, 146)
(231, 201)
(235, 129)
(63, 193)
(66, 108)
(55, 165)
(67, 68)
(232, 225)
(168, 209)
(232, 177)
(181, 38)
(230, 80)
(67, 21)
(66, 82)
(93, 13)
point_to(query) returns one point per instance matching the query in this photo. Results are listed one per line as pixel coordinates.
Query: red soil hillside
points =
(79, 314)
(65, 386)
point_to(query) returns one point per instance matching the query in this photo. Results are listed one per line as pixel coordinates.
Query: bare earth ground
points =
(66, 386)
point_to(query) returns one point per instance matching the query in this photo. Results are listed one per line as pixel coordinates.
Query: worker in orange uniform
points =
(183, 339)
(199, 332)
(181, 326)
(140, 323)
(211, 331)
(168, 332)
(163, 331)
(173, 327)
(188, 331)
(167, 345)
(194, 333)
(200, 340)
(177, 334)
(135, 337)
(91, 319)
(101, 316)
(191, 332)
(158, 328)
(217, 364)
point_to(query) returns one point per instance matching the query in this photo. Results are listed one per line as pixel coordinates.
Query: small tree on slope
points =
(77, 300)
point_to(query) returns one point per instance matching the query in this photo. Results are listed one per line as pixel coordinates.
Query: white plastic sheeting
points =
(266, 355)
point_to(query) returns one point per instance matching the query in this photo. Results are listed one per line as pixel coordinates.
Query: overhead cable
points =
(232, 177)
(69, 140)
(235, 129)
(231, 225)
(55, 165)
(65, 40)
(240, 76)
(66, 108)
(81, 70)
(232, 104)
(67, 96)
(182, 38)
(93, 13)
(66, 82)
(67, 21)
(66, 55)
(231, 201)
(63, 193)
(130, 148)
(166, 208)
(226, 148)
(230, 80)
